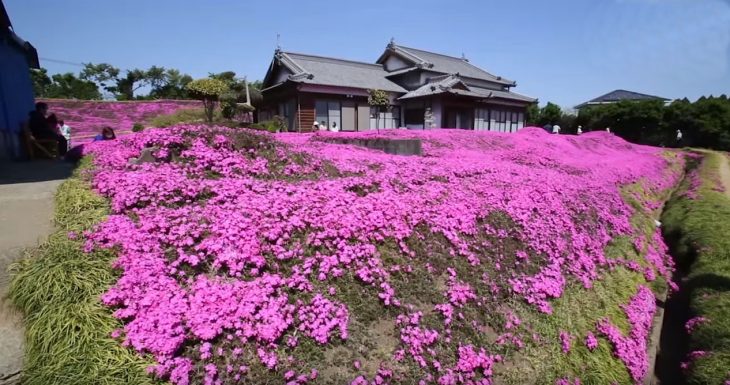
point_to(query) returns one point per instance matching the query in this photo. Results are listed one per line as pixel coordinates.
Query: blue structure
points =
(16, 90)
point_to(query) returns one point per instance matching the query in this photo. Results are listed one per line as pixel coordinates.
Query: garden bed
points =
(247, 257)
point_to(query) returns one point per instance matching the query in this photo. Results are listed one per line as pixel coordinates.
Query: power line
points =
(63, 62)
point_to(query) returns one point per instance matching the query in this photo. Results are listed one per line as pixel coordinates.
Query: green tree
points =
(40, 81)
(532, 116)
(209, 91)
(104, 75)
(378, 99)
(550, 114)
(68, 86)
(172, 86)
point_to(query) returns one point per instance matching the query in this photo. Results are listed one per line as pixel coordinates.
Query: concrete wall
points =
(16, 98)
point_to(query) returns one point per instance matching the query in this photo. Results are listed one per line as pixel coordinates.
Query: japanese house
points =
(425, 90)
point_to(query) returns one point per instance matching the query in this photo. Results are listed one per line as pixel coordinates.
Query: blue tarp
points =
(16, 96)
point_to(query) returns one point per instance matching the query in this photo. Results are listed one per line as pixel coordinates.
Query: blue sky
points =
(565, 51)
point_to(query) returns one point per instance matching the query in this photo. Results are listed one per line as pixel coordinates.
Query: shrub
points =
(209, 92)
(276, 124)
(138, 127)
(179, 117)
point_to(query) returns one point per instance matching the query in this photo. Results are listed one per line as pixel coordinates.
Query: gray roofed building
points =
(337, 72)
(619, 95)
(425, 89)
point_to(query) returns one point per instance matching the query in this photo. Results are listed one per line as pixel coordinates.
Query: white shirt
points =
(579, 131)
(679, 135)
(65, 131)
(556, 129)
(334, 128)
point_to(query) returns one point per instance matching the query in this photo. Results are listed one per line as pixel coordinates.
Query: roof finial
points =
(392, 41)
(278, 42)
(463, 57)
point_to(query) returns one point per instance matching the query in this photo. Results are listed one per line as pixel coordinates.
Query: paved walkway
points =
(26, 210)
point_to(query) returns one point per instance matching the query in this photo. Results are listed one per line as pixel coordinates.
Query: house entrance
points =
(459, 117)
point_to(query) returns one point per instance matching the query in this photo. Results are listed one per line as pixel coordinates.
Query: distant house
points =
(426, 90)
(16, 90)
(618, 96)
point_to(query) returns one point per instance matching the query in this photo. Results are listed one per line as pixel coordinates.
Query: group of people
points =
(555, 129)
(46, 126)
(316, 126)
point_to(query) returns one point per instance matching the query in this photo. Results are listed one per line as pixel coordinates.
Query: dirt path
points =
(26, 210)
(725, 172)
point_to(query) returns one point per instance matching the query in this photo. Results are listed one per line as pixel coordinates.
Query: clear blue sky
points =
(565, 51)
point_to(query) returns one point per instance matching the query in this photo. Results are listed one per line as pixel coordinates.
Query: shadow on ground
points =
(36, 171)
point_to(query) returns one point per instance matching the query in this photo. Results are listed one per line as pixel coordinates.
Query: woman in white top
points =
(580, 130)
(334, 127)
(556, 129)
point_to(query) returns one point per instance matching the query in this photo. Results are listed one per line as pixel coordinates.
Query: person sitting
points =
(52, 132)
(107, 133)
(40, 129)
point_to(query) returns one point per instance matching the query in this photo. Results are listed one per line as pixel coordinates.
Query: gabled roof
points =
(437, 62)
(619, 95)
(6, 31)
(311, 69)
(4, 18)
(453, 84)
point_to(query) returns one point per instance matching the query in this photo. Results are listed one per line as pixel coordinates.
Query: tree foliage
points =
(704, 123)
(209, 91)
(378, 98)
(62, 86)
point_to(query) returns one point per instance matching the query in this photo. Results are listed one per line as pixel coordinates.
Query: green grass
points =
(57, 287)
(700, 233)
(188, 115)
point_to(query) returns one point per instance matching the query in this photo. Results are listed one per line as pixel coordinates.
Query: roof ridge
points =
(333, 58)
(499, 78)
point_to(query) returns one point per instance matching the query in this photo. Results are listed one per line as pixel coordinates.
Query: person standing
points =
(580, 130)
(334, 127)
(315, 126)
(556, 129)
(65, 130)
(679, 137)
(608, 129)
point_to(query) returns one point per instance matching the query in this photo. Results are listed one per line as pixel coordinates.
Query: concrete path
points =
(26, 210)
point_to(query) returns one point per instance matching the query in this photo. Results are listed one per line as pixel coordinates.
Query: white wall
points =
(393, 63)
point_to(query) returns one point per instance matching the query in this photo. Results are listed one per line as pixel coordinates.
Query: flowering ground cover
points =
(245, 257)
(88, 117)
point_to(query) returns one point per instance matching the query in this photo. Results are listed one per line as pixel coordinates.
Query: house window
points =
(514, 122)
(481, 119)
(500, 120)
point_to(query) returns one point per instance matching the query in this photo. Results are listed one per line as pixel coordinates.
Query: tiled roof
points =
(447, 83)
(619, 95)
(321, 70)
(445, 64)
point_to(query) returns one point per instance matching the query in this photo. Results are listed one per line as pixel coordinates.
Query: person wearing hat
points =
(315, 126)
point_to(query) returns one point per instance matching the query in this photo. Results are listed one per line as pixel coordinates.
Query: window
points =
(481, 119)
